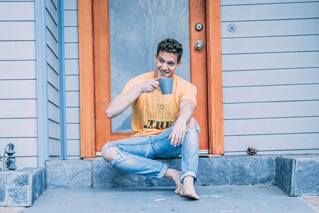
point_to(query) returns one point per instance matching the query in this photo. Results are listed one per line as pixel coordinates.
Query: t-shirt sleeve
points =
(189, 92)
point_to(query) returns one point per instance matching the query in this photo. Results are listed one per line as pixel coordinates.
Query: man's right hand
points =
(150, 85)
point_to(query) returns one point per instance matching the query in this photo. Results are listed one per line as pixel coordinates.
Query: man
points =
(163, 126)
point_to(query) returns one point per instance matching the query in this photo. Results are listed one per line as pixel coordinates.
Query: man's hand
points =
(185, 113)
(150, 85)
(178, 133)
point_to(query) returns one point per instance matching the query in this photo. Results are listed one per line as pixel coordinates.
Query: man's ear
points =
(179, 63)
(155, 56)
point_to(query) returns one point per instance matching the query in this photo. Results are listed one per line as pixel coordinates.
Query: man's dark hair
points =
(171, 46)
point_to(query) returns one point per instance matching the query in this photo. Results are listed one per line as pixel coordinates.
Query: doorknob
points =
(199, 45)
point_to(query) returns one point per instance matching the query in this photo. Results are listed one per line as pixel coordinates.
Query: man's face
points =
(166, 64)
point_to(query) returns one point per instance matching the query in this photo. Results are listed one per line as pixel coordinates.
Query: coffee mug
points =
(166, 85)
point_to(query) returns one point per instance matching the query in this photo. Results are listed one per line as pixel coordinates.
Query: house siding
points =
(72, 87)
(270, 76)
(18, 115)
(52, 33)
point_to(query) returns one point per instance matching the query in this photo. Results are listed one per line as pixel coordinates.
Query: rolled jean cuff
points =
(162, 172)
(193, 174)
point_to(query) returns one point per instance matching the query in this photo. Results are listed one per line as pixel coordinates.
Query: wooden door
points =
(102, 55)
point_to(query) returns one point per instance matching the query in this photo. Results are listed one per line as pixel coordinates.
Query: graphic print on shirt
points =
(162, 118)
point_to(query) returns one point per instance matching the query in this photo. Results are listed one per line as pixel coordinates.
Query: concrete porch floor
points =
(231, 198)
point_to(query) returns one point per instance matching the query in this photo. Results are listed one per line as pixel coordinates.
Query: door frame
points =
(87, 64)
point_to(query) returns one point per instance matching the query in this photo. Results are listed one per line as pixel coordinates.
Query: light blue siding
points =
(299, 10)
(71, 34)
(247, 2)
(17, 31)
(273, 77)
(72, 79)
(17, 50)
(72, 67)
(53, 78)
(17, 70)
(16, 11)
(72, 99)
(18, 108)
(271, 110)
(270, 75)
(17, 89)
(271, 28)
(27, 128)
(71, 5)
(72, 83)
(73, 132)
(73, 115)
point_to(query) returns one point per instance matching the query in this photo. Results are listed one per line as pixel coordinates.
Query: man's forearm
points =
(122, 102)
(186, 111)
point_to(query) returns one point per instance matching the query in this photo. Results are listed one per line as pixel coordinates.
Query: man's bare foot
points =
(188, 189)
(175, 175)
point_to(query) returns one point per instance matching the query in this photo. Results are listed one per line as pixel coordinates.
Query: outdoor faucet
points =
(11, 160)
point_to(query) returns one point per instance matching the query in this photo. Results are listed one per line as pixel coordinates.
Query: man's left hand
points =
(178, 133)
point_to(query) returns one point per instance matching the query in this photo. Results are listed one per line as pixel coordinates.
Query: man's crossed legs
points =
(135, 155)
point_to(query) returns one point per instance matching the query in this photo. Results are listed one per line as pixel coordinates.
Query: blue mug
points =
(166, 85)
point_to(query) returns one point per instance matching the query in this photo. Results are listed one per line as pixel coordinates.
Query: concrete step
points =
(21, 187)
(295, 174)
(222, 170)
(298, 175)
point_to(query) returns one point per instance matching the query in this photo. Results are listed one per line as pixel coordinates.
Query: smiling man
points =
(163, 126)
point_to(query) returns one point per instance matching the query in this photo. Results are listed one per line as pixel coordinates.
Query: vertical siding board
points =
(270, 75)
(42, 83)
(72, 95)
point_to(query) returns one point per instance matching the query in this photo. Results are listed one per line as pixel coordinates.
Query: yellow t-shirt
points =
(155, 112)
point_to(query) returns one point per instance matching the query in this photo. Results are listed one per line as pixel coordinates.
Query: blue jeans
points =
(135, 154)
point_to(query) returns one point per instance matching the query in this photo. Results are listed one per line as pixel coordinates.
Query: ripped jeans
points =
(135, 154)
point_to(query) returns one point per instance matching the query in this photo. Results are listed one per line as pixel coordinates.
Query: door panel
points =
(136, 27)
(121, 53)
